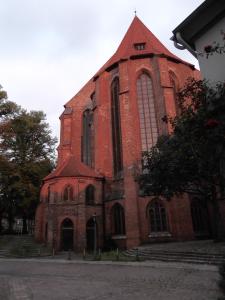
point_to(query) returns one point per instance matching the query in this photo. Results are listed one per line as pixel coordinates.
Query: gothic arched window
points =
(147, 112)
(90, 195)
(118, 219)
(116, 127)
(87, 139)
(174, 84)
(68, 193)
(157, 216)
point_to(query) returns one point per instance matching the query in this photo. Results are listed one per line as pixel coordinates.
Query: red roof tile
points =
(72, 167)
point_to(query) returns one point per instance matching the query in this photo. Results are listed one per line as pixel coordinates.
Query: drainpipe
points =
(181, 44)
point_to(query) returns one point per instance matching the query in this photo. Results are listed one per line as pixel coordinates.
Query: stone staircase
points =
(21, 246)
(3, 253)
(196, 255)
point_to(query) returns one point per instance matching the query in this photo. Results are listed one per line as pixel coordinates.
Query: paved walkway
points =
(59, 279)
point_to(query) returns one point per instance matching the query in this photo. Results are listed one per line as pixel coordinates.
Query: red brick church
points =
(93, 196)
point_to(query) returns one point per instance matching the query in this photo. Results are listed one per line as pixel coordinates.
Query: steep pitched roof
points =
(72, 167)
(138, 33)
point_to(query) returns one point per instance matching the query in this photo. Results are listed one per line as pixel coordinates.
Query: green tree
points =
(8, 109)
(8, 179)
(192, 158)
(27, 152)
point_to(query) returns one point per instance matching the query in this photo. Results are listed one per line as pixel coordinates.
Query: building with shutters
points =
(93, 198)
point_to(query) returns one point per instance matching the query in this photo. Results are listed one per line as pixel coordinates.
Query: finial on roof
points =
(135, 12)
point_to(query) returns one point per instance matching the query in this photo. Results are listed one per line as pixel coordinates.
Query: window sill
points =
(119, 237)
(159, 234)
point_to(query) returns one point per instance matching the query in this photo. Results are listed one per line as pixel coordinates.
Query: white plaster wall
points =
(213, 67)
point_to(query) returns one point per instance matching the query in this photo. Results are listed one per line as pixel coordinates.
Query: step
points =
(191, 257)
(165, 256)
(174, 253)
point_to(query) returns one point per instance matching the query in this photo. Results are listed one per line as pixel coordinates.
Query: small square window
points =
(139, 46)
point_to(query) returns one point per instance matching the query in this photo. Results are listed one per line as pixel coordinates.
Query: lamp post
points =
(95, 234)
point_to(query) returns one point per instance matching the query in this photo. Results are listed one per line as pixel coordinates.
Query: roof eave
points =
(209, 12)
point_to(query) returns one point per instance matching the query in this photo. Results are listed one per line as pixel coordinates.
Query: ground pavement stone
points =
(74, 280)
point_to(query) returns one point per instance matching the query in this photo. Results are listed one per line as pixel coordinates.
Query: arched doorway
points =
(91, 234)
(200, 218)
(67, 235)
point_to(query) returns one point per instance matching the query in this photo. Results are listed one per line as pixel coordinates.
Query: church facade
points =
(92, 199)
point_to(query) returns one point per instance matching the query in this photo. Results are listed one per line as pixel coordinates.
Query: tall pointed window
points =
(116, 128)
(147, 113)
(157, 216)
(90, 195)
(118, 219)
(174, 84)
(87, 139)
(68, 193)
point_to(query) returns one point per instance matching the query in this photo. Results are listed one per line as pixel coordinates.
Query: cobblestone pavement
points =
(73, 280)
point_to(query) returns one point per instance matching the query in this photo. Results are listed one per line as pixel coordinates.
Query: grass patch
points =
(113, 256)
(22, 246)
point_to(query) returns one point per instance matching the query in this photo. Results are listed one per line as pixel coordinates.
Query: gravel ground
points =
(51, 279)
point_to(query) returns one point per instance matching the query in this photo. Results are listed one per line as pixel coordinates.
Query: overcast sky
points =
(50, 48)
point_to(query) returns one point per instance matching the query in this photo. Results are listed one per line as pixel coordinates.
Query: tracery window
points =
(118, 219)
(90, 195)
(87, 139)
(147, 112)
(116, 127)
(68, 193)
(157, 216)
